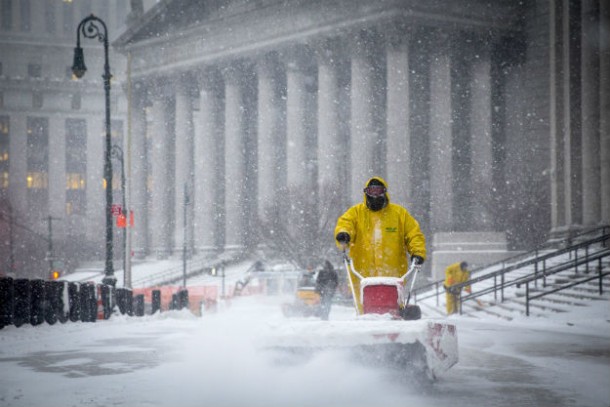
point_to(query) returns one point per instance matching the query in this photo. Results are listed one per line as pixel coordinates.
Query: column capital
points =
(209, 78)
(238, 72)
(269, 65)
(398, 34)
(299, 59)
(330, 51)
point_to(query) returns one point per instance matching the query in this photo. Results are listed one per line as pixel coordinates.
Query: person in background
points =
(455, 274)
(326, 284)
(380, 235)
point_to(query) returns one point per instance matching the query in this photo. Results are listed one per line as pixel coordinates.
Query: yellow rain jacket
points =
(454, 275)
(380, 240)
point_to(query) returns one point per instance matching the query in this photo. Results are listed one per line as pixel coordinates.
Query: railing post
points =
(495, 289)
(502, 288)
(527, 299)
(576, 261)
(601, 286)
(536, 273)
(587, 259)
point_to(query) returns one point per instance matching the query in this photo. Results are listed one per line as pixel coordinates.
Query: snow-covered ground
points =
(177, 359)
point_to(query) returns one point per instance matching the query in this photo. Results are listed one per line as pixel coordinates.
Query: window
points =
(34, 70)
(4, 151)
(37, 161)
(76, 101)
(76, 166)
(37, 100)
(25, 11)
(68, 17)
(6, 11)
(49, 16)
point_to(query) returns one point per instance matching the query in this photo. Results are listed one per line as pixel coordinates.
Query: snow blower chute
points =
(386, 331)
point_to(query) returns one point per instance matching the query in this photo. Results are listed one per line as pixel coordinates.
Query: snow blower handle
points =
(413, 269)
(349, 268)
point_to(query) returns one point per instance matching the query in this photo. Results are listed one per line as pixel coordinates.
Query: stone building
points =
(52, 131)
(489, 120)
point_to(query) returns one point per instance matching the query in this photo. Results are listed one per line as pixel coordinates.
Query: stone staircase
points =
(510, 303)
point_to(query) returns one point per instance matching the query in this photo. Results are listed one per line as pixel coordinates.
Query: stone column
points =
(366, 137)
(332, 152)
(18, 163)
(591, 171)
(481, 141)
(162, 138)
(235, 156)
(301, 143)
(604, 104)
(441, 177)
(139, 173)
(57, 174)
(209, 185)
(566, 167)
(184, 166)
(271, 146)
(399, 174)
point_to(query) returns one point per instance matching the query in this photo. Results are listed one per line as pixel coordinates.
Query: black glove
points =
(342, 237)
(418, 260)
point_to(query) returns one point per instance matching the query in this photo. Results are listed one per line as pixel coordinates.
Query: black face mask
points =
(376, 203)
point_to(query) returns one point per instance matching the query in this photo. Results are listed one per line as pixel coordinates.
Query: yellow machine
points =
(307, 298)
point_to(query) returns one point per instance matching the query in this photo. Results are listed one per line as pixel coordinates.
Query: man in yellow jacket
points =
(455, 274)
(379, 234)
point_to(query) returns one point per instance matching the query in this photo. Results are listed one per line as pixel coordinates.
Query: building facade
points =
(489, 121)
(51, 134)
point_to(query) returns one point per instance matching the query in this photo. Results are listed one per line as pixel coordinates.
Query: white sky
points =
(179, 359)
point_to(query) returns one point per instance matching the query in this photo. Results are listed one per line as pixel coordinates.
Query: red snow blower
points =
(388, 333)
(381, 295)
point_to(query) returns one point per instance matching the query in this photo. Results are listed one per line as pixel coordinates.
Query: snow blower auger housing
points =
(388, 332)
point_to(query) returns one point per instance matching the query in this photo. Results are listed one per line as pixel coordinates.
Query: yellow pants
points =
(452, 303)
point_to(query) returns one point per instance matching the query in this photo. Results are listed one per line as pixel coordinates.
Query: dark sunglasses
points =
(375, 190)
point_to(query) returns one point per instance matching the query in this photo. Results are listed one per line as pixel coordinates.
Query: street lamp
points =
(117, 152)
(90, 28)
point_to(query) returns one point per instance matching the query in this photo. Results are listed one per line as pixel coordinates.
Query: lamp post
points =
(90, 28)
(117, 152)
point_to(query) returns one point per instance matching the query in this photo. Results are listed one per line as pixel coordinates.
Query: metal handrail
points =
(501, 274)
(605, 230)
(537, 275)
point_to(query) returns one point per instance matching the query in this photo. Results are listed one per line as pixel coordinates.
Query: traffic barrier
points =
(21, 310)
(138, 305)
(62, 304)
(124, 299)
(49, 304)
(74, 301)
(183, 299)
(7, 301)
(106, 292)
(156, 301)
(88, 302)
(37, 299)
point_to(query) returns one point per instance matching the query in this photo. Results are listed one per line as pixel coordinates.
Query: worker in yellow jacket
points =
(455, 274)
(379, 235)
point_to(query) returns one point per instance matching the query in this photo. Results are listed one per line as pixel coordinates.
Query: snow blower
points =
(386, 331)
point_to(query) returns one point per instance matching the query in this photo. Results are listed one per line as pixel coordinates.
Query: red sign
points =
(116, 210)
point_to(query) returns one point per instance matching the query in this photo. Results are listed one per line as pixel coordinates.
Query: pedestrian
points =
(380, 234)
(326, 285)
(455, 274)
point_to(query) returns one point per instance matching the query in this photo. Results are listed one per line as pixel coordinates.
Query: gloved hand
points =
(343, 239)
(418, 260)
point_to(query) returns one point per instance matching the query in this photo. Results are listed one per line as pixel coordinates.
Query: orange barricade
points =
(197, 295)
